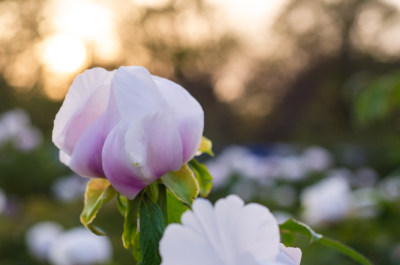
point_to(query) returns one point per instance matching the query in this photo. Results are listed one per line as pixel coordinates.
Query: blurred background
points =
(301, 101)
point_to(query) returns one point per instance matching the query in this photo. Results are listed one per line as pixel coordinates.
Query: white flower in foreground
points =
(79, 246)
(229, 233)
(41, 236)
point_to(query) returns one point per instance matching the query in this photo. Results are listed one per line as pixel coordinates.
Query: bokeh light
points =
(63, 53)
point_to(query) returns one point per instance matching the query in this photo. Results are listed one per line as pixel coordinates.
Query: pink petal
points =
(124, 175)
(159, 136)
(136, 95)
(188, 112)
(137, 154)
(85, 101)
(86, 156)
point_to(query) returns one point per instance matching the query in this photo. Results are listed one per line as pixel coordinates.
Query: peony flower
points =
(128, 126)
(227, 234)
(41, 236)
(327, 201)
(79, 246)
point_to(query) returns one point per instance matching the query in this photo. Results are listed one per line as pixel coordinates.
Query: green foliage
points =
(182, 183)
(377, 98)
(98, 192)
(203, 177)
(292, 227)
(175, 208)
(130, 223)
(152, 225)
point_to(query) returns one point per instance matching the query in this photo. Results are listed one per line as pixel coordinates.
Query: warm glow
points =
(63, 54)
(151, 3)
(250, 20)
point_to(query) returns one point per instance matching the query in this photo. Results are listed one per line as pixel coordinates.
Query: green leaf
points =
(292, 227)
(98, 192)
(162, 200)
(130, 222)
(203, 177)
(182, 183)
(346, 250)
(122, 201)
(205, 146)
(152, 225)
(175, 208)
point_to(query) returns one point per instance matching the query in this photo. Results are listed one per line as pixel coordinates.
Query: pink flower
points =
(230, 233)
(128, 126)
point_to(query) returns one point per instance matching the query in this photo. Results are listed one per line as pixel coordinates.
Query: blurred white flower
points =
(316, 158)
(15, 127)
(326, 201)
(69, 188)
(390, 188)
(79, 246)
(227, 234)
(364, 203)
(219, 171)
(291, 168)
(40, 237)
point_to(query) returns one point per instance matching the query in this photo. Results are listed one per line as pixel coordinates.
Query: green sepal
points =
(292, 227)
(152, 225)
(136, 252)
(205, 147)
(182, 183)
(175, 208)
(203, 177)
(98, 192)
(130, 222)
(152, 191)
(122, 202)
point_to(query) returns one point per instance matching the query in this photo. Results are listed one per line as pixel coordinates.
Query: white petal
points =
(85, 101)
(228, 234)
(289, 256)
(248, 229)
(188, 112)
(182, 246)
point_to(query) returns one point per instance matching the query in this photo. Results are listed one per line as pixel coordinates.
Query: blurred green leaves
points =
(291, 228)
(375, 99)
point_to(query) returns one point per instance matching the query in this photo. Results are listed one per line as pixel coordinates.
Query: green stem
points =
(348, 251)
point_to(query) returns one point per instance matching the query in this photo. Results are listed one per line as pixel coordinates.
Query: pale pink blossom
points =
(128, 126)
